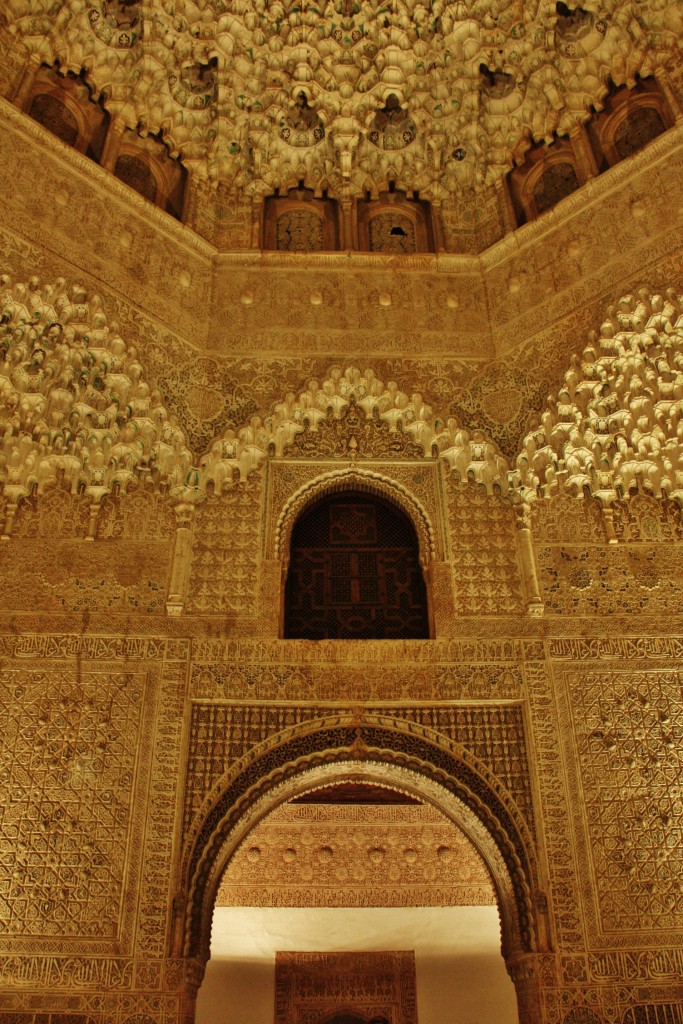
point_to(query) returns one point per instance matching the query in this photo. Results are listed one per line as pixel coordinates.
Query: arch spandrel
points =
(417, 761)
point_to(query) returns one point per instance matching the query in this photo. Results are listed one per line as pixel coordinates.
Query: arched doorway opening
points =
(375, 751)
(340, 875)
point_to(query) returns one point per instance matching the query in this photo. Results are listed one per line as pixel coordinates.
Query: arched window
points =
(138, 175)
(550, 173)
(631, 116)
(53, 114)
(354, 573)
(636, 129)
(300, 222)
(394, 223)
(65, 105)
(555, 183)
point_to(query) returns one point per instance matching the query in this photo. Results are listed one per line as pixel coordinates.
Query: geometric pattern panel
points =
(629, 735)
(223, 575)
(68, 751)
(486, 572)
(356, 856)
(314, 988)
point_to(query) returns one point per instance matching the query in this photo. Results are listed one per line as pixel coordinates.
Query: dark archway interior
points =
(354, 572)
(344, 1018)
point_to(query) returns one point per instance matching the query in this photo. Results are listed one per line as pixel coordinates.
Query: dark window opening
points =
(354, 573)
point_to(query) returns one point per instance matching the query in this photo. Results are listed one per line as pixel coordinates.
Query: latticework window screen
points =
(354, 573)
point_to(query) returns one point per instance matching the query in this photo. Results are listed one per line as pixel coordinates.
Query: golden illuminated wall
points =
(149, 706)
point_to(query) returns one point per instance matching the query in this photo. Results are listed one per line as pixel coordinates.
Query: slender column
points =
(507, 210)
(10, 513)
(583, 152)
(92, 525)
(194, 975)
(527, 562)
(608, 518)
(112, 144)
(437, 227)
(347, 233)
(182, 554)
(524, 971)
(257, 222)
(272, 575)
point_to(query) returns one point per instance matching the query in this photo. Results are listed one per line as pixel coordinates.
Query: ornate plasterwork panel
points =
(628, 729)
(224, 735)
(70, 761)
(311, 987)
(91, 730)
(440, 100)
(486, 573)
(225, 553)
(619, 712)
(356, 856)
(580, 572)
(391, 671)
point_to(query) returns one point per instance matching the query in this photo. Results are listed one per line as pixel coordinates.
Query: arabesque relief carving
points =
(318, 855)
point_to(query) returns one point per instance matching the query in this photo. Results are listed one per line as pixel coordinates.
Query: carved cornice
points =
(107, 184)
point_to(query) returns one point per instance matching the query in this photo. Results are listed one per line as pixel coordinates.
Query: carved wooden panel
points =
(314, 988)
(354, 573)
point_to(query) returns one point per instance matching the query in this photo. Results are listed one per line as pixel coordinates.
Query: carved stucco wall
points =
(121, 723)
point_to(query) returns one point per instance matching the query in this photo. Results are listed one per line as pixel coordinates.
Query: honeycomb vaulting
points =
(177, 400)
(439, 97)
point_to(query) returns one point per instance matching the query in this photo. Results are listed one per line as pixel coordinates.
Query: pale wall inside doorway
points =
(461, 976)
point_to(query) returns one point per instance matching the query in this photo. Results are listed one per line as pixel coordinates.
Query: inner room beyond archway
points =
(357, 867)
